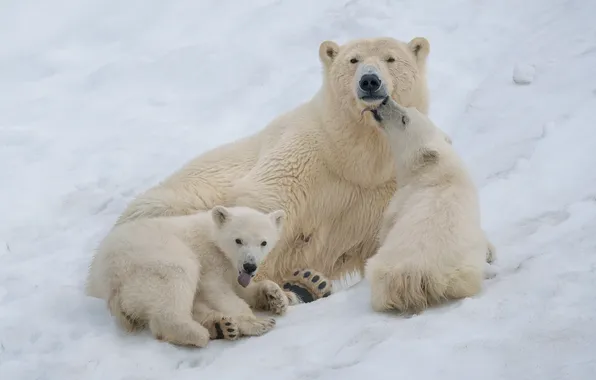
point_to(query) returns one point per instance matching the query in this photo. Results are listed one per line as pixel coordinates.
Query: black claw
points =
(220, 334)
(296, 273)
(232, 336)
(228, 323)
(326, 294)
(322, 285)
(306, 274)
(315, 278)
(231, 330)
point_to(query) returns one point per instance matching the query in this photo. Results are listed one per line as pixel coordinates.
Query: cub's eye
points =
(354, 60)
(239, 241)
(390, 59)
(263, 243)
(405, 120)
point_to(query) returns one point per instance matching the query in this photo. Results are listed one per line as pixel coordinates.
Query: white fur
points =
(323, 162)
(179, 275)
(432, 245)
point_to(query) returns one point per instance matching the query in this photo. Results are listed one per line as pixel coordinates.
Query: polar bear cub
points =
(188, 278)
(432, 246)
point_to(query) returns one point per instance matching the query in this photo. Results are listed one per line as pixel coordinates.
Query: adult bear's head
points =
(361, 73)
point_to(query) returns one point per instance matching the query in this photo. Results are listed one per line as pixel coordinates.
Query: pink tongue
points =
(244, 279)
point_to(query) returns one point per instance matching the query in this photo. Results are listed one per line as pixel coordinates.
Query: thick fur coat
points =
(432, 245)
(187, 278)
(325, 163)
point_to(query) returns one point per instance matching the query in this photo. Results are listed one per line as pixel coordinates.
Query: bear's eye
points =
(263, 243)
(239, 241)
(390, 59)
(405, 120)
(354, 60)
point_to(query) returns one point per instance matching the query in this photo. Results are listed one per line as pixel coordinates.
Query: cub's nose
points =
(249, 268)
(370, 83)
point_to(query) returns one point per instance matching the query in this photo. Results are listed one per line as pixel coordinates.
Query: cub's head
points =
(414, 138)
(363, 72)
(246, 236)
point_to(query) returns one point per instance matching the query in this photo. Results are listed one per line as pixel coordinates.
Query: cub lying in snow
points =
(432, 247)
(188, 278)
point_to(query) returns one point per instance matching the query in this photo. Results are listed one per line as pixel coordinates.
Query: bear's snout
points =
(370, 87)
(249, 268)
(390, 110)
(370, 83)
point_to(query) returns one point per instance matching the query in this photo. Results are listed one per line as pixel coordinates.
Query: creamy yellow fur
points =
(324, 163)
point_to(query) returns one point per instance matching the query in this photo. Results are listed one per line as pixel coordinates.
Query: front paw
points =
(253, 326)
(273, 298)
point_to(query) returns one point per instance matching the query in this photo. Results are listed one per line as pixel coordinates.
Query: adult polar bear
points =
(325, 163)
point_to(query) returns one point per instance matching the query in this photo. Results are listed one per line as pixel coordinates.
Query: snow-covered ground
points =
(100, 99)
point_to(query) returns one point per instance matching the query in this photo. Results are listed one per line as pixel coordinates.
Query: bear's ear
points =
(278, 217)
(420, 47)
(220, 215)
(429, 157)
(328, 51)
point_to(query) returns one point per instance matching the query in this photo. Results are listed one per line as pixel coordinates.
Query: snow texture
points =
(523, 73)
(101, 99)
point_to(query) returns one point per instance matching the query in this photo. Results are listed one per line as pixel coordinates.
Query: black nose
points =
(370, 83)
(249, 268)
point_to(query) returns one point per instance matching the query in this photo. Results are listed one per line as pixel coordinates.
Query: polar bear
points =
(189, 277)
(432, 245)
(327, 165)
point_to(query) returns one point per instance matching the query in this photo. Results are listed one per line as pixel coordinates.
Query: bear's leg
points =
(130, 320)
(402, 287)
(179, 330)
(307, 285)
(164, 293)
(219, 325)
(221, 297)
(466, 282)
(253, 326)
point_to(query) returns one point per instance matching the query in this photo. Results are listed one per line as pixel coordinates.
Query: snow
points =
(523, 73)
(101, 99)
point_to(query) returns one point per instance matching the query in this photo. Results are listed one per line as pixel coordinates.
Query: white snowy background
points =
(101, 99)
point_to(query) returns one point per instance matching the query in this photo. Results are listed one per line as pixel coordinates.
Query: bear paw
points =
(308, 285)
(223, 328)
(272, 298)
(255, 326)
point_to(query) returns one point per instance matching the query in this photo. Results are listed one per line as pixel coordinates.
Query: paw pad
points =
(308, 285)
(224, 328)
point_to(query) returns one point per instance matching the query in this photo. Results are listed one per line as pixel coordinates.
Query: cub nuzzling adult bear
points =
(433, 247)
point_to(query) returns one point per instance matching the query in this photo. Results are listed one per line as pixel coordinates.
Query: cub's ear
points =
(420, 47)
(429, 157)
(220, 215)
(278, 217)
(328, 51)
